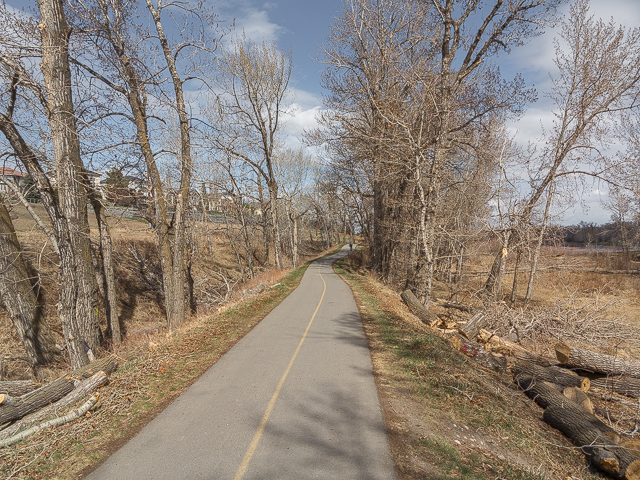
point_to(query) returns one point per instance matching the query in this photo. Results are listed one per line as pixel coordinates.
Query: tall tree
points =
(597, 80)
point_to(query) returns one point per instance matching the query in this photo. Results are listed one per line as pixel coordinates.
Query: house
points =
(10, 175)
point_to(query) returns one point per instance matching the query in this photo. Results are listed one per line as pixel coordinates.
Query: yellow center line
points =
(265, 418)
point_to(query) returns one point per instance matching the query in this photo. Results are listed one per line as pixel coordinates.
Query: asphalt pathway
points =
(294, 399)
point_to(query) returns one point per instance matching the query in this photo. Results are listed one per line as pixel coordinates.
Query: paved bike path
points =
(294, 399)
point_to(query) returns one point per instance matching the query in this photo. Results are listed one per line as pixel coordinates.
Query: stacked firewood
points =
(561, 386)
(26, 409)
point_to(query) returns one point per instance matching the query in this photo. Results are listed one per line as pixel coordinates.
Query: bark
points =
(605, 455)
(545, 395)
(623, 385)
(596, 362)
(551, 375)
(53, 391)
(473, 326)
(19, 297)
(86, 387)
(417, 308)
(16, 388)
(78, 298)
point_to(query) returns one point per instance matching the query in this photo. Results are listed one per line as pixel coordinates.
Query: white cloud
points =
(256, 25)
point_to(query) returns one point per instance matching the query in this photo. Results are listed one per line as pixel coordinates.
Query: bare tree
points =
(597, 79)
(111, 27)
(247, 116)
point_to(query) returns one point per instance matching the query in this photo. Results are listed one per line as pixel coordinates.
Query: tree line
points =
(111, 83)
(416, 128)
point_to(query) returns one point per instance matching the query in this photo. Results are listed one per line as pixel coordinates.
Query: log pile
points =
(555, 385)
(18, 413)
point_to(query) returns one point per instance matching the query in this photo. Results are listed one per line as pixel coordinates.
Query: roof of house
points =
(10, 172)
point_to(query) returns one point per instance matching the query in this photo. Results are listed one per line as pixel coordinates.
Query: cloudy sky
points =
(302, 25)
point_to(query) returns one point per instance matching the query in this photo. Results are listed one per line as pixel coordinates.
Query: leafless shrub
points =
(586, 322)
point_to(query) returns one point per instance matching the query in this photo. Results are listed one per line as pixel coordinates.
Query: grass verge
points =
(446, 417)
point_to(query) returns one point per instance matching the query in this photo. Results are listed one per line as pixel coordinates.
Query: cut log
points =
(578, 396)
(16, 388)
(605, 455)
(551, 375)
(596, 362)
(472, 328)
(546, 396)
(632, 445)
(85, 388)
(479, 354)
(53, 391)
(527, 356)
(417, 308)
(56, 422)
(623, 385)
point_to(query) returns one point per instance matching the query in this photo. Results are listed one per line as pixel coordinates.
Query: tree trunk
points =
(474, 325)
(545, 395)
(19, 297)
(605, 455)
(493, 284)
(106, 252)
(627, 386)
(536, 253)
(596, 362)
(514, 286)
(78, 298)
(417, 308)
(551, 375)
(16, 388)
(53, 391)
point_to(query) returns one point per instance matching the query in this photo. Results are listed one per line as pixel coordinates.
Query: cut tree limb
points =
(551, 375)
(546, 396)
(596, 362)
(53, 391)
(605, 455)
(417, 308)
(85, 388)
(16, 388)
(56, 422)
(472, 328)
(623, 385)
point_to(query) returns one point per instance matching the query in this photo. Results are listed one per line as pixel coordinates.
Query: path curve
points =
(294, 399)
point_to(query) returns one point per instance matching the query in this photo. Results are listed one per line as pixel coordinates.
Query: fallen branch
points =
(81, 391)
(56, 422)
(53, 391)
(596, 362)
